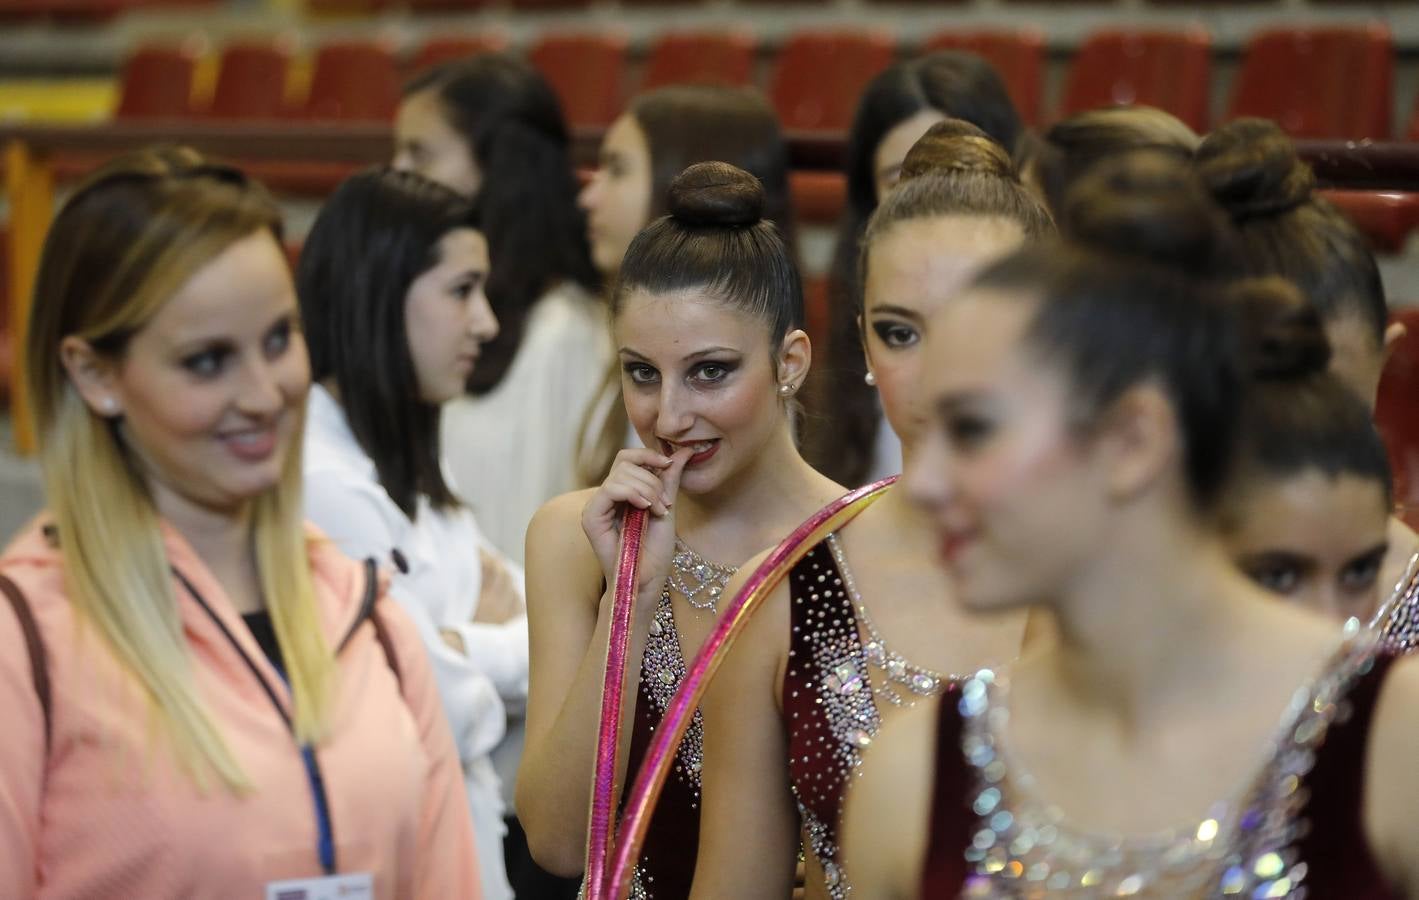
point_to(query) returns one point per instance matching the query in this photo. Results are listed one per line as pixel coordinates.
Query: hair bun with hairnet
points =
(1148, 205)
(716, 194)
(953, 146)
(1251, 168)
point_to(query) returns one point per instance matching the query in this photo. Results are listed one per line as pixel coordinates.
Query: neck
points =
(221, 538)
(776, 479)
(1132, 628)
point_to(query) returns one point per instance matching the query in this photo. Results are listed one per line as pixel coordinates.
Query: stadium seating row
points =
(1318, 82)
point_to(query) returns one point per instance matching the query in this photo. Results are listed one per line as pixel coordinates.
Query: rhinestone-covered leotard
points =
(1296, 832)
(667, 862)
(829, 709)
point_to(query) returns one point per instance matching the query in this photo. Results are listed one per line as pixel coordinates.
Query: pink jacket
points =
(106, 814)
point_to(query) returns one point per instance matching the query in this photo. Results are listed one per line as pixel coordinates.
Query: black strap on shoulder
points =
(34, 644)
(369, 610)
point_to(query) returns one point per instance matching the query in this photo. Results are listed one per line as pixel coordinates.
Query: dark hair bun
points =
(1283, 337)
(953, 146)
(1252, 169)
(1148, 204)
(716, 194)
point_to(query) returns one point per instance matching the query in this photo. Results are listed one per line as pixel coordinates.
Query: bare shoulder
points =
(1391, 778)
(555, 529)
(558, 553)
(887, 818)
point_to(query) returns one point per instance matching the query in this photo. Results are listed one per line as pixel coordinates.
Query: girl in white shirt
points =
(391, 291)
(490, 128)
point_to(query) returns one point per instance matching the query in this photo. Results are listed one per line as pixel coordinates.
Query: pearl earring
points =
(110, 405)
(785, 390)
(870, 379)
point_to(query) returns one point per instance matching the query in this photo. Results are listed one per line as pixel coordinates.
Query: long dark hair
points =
(956, 84)
(376, 234)
(512, 121)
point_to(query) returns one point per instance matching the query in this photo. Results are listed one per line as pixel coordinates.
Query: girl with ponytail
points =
(866, 622)
(1087, 402)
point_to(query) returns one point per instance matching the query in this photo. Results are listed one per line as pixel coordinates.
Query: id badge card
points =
(355, 886)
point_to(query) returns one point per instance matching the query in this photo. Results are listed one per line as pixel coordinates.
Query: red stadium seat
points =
(252, 80)
(156, 83)
(447, 49)
(1386, 217)
(1019, 57)
(1398, 415)
(1171, 70)
(818, 197)
(353, 81)
(820, 75)
(700, 57)
(588, 72)
(1332, 82)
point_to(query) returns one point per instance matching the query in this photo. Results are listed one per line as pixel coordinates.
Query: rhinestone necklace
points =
(919, 681)
(693, 576)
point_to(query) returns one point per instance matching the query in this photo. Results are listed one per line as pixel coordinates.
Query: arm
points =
(568, 619)
(21, 762)
(448, 863)
(746, 782)
(572, 550)
(496, 638)
(887, 816)
(363, 524)
(1391, 804)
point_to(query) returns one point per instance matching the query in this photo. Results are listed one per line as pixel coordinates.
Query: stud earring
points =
(785, 390)
(110, 405)
(870, 379)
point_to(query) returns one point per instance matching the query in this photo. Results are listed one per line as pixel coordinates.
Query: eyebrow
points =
(1380, 549)
(689, 357)
(893, 310)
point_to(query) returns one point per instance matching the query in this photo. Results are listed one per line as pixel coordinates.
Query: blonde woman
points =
(202, 698)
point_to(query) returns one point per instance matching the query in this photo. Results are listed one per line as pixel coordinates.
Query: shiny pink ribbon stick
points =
(608, 738)
(661, 753)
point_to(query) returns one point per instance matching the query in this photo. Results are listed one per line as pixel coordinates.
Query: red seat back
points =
(1319, 82)
(447, 49)
(1397, 415)
(705, 57)
(588, 72)
(156, 83)
(251, 81)
(1019, 57)
(821, 74)
(1171, 70)
(354, 81)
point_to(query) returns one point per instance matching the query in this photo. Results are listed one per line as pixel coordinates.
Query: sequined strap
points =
(1397, 621)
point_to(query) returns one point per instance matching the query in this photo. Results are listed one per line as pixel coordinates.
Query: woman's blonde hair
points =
(125, 242)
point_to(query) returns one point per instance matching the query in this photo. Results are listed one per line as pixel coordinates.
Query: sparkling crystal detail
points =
(850, 680)
(859, 738)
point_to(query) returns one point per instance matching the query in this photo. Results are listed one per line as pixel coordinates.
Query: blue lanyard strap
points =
(325, 828)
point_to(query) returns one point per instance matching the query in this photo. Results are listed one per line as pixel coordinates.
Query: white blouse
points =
(438, 584)
(513, 448)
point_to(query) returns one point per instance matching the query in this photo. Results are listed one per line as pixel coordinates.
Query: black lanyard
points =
(325, 844)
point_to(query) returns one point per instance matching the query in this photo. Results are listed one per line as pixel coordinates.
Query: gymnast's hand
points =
(645, 480)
